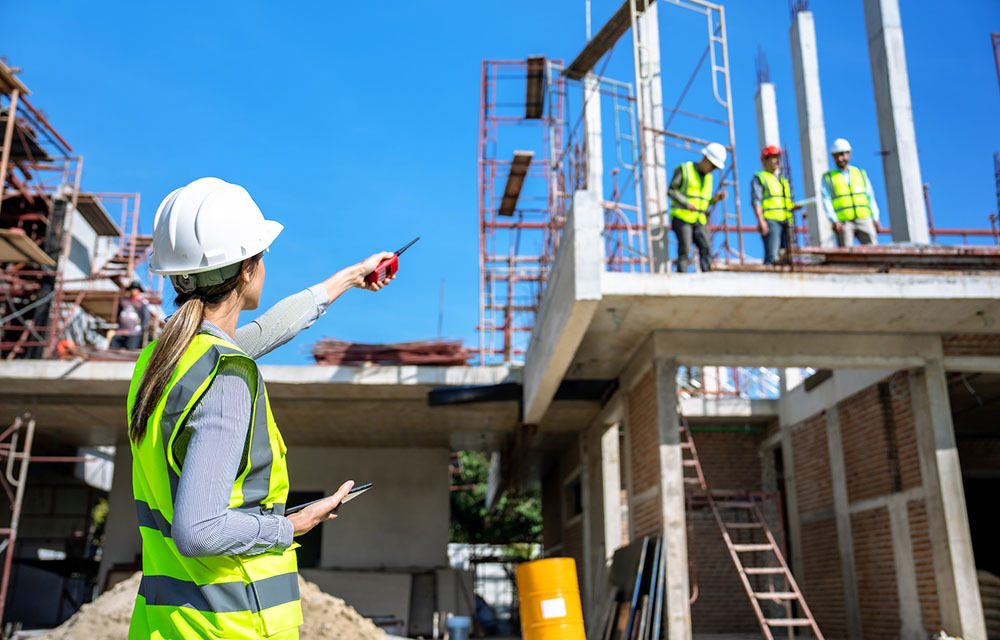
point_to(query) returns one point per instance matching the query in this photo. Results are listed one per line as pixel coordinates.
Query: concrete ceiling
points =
(634, 305)
(83, 403)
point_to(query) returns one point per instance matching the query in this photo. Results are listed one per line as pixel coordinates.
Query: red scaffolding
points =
(53, 273)
(517, 233)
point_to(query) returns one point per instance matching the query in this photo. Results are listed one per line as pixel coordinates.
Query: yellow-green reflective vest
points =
(699, 194)
(850, 201)
(777, 201)
(220, 596)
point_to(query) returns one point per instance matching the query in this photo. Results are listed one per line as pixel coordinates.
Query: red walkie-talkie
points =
(388, 268)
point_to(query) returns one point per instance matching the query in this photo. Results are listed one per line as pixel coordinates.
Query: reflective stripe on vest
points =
(698, 190)
(850, 201)
(219, 596)
(777, 201)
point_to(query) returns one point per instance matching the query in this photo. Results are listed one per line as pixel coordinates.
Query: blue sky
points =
(354, 125)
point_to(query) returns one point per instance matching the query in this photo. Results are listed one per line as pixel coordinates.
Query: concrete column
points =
(910, 616)
(592, 133)
(677, 610)
(841, 507)
(611, 477)
(812, 131)
(903, 184)
(653, 150)
(767, 115)
(122, 543)
(791, 494)
(954, 565)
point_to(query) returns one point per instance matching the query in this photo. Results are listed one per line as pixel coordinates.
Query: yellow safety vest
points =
(220, 596)
(777, 201)
(699, 194)
(850, 201)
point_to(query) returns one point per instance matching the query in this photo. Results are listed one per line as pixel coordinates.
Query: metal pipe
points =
(8, 138)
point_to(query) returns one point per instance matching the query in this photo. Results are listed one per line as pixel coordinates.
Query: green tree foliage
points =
(512, 519)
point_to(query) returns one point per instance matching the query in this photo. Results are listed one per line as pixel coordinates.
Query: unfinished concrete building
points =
(807, 448)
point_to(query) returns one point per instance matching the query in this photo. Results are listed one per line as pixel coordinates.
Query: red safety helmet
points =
(770, 150)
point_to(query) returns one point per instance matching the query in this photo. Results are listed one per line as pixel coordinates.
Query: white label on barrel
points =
(554, 608)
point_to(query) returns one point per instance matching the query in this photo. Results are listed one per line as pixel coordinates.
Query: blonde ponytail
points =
(174, 340)
(171, 345)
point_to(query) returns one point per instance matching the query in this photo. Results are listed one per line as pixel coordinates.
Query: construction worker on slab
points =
(849, 200)
(690, 195)
(771, 199)
(209, 475)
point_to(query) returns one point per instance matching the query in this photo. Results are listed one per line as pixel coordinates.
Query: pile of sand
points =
(107, 618)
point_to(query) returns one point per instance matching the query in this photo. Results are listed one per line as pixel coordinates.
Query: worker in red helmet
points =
(771, 199)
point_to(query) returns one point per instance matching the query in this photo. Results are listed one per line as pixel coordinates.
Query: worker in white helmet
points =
(209, 475)
(690, 195)
(849, 200)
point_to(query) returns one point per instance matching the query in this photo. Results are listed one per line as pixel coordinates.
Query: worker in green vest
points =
(690, 195)
(209, 475)
(849, 199)
(771, 199)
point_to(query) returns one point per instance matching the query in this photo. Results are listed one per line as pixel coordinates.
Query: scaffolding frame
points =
(510, 278)
(40, 185)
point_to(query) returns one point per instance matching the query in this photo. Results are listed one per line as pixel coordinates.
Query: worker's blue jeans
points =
(775, 240)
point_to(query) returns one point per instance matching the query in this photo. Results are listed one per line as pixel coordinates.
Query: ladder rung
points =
(742, 525)
(788, 622)
(728, 504)
(692, 481)
(690, 463)
(762, 571)
(776, 595)
(753, 547)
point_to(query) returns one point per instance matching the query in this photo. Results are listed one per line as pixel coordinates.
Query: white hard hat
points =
(207, 225)
(716, 154)
(839, 146)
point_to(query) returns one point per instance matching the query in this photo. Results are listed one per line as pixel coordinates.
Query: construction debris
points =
(440, 353)
(325, 617)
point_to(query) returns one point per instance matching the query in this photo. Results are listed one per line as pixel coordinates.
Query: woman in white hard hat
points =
(209, 473)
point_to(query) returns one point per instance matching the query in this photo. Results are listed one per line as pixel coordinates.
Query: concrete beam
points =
(677, 612)
(767, 116)
(784, 349)
(571, 296)
(903, 183)
(710, 408)
(812, 130)
(947, 515)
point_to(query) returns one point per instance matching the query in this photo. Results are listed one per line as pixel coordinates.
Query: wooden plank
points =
(605, 39)
(17, 247)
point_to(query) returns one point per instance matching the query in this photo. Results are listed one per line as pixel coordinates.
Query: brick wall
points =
(881, 458)
(879, 440)
(875, 574)
(811, 455)
(729, 461)
(822, 577)
(644, 441)
(971, 344)
(923, 559)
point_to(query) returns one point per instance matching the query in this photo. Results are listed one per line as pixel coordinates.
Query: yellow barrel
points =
(550, 600)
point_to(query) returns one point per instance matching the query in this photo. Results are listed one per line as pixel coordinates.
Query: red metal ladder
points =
(771, 567)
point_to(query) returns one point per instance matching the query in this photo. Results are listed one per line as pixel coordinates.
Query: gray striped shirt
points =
(203, 524)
